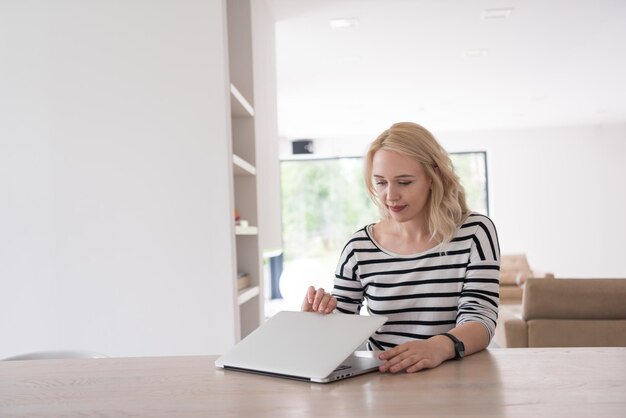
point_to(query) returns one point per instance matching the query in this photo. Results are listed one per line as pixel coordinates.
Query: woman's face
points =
(401, 184)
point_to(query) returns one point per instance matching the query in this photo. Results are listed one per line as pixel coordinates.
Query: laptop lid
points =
(305, 345)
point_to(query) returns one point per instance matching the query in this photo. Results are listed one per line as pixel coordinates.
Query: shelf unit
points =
(242, 167)
(246, 230)
(249, 301)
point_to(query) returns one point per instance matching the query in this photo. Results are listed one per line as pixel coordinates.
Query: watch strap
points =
(459, 347)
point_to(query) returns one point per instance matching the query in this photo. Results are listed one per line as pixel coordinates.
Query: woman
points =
(430, 265)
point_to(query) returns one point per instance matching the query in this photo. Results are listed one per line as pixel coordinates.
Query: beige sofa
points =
(568, 313)
(514, 271)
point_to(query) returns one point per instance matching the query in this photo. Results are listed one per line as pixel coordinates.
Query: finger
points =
(308, 299)
(392, 352)
(321, 298)
(319, 295)
(332, 304)
(310, 294)
(392, 361)
(327, 304)
(420, 365)
(323, 303)
(402, 364)
(398, 367)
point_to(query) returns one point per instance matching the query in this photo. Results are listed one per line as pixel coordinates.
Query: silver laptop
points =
(306, 346)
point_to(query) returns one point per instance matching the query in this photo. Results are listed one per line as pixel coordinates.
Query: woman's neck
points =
(405, 237)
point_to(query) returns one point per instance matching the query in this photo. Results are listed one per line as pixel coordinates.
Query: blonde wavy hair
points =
(446, 207)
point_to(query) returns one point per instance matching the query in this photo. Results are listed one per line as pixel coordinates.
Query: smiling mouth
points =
(396, 208)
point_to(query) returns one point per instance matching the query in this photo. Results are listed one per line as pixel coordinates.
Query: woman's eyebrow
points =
(396, 177)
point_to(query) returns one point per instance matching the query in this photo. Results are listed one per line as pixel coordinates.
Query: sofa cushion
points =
(506, 313)
(511, 294)
(515, 333)
(574, 299)
(576, 333)
(514, 269)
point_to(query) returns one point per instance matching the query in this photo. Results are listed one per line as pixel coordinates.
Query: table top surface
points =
(525, 382)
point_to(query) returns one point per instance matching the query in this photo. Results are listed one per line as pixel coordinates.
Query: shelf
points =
(246, 230)
(272, 252)
(244, 142)
(242, 167)
(247, 294)
(239, 106)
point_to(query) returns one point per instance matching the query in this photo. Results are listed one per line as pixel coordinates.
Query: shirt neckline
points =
(370, 235)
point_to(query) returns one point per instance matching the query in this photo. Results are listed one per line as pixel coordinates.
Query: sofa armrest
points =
(516, 333)
(542, 274)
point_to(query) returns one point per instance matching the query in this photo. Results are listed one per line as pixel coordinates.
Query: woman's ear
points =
(437, 173)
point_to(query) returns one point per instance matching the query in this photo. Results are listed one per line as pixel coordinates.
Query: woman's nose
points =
(392, 193)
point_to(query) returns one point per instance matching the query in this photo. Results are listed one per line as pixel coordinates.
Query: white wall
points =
(114, 178)
(557, 194)
(266, 124)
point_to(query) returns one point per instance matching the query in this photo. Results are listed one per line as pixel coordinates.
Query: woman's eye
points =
(404, 183)
(381, 183)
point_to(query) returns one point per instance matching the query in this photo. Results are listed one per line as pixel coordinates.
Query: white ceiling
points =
(552, 62)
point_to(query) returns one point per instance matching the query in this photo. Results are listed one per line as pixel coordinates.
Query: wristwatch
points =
(459, 347)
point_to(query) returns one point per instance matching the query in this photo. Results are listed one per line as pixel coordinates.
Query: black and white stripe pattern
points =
(423, 294)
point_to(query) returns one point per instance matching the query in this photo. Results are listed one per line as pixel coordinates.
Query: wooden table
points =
(524, 382)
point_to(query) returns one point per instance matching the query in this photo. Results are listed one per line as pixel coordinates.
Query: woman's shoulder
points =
(477, 224)
(477, 219)
(359, 237)
(483, 231)
(363, 233)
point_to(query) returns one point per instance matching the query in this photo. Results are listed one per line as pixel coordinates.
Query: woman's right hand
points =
(318, 300)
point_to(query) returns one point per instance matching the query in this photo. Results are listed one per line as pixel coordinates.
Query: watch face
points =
(460, 349)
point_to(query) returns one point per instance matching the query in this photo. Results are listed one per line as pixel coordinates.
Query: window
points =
(471, 167)
(324, 201)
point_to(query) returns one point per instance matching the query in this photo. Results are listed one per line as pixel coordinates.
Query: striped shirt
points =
(422, 294)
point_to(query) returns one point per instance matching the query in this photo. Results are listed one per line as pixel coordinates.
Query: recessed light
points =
(350, 60)
(474, 53)
(345, 23)
(496, 13)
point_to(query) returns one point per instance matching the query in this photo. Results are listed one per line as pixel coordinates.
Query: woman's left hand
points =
(414, 356)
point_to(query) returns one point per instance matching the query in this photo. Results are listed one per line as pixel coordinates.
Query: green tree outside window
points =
(324, 201)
